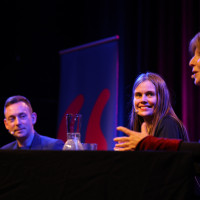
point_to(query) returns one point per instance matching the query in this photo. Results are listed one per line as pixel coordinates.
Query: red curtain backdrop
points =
(159, 33)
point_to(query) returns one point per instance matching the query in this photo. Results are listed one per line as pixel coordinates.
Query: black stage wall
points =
(154, 36)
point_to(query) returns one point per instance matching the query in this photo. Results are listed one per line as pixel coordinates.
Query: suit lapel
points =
(15, 146)
(36, 143)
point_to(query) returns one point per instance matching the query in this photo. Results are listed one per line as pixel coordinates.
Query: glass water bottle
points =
(73, 122)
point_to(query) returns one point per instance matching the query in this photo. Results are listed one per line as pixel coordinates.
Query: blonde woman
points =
(152, 108)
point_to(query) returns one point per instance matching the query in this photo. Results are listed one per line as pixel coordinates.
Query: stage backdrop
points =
(89, 86)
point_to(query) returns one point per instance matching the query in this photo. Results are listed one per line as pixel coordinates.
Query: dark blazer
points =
(39, 142)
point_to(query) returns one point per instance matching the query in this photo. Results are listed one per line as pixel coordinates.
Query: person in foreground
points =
(153, 111)
(142, 140)
(19, 121)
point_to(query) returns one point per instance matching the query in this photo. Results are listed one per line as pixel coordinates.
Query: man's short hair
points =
(16, 99)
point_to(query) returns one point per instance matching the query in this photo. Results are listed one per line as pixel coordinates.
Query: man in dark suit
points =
(19, 121)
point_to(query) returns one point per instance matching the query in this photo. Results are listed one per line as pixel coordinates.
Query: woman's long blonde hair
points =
(163, 106)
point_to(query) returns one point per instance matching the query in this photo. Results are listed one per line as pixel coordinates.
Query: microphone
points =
(192, 76)
(136, 111)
